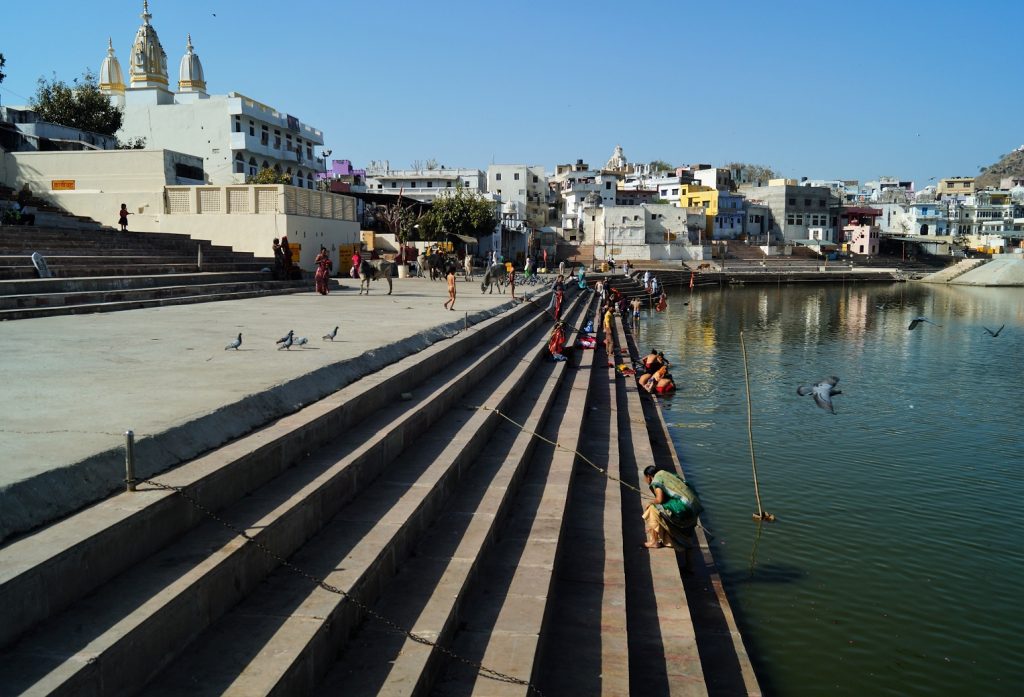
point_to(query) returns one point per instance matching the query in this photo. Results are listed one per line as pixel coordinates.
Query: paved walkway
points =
(74, 384)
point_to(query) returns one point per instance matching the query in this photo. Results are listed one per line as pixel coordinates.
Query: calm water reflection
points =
(896, 563)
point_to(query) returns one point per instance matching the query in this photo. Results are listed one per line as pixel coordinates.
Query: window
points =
(675, 192)
(448, 184)
(807, 202)
(792, 201)
(265, 137)
(607, 185)
(790, 219)
(821, 203)
(252, 128)
(497, 177)
(535, 179)
(516, 176)
(412, 185)
(238, 124)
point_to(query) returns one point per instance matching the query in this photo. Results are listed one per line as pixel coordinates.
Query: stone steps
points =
(451, 555)
(38, 304)
(115, 620)
(299, 626)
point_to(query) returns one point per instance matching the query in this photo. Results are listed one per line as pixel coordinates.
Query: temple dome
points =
(190, 73)
(148, 66)
(111, 81)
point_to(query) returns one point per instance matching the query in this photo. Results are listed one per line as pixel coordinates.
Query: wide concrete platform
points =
(74, 384)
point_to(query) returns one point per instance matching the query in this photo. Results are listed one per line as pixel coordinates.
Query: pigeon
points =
(917, 320)
(822, 391)
(286, 341)
(301, 341)
(330, 335)
(235, 344)
(993, 333)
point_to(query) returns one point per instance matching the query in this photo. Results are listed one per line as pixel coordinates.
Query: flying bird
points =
(330, 335)
(286, 341)
(235, 344)
(301, 341)
(822, 392)
(917, 320)
(993, 333)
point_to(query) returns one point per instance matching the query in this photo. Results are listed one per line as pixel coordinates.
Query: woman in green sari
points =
(673, 515)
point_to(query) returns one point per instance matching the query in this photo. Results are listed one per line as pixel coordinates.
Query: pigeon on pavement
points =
(918, 320)
(301, 341)
(822, 391)
(993, 333)
(286, 341)
(330, 336)
(235, 344)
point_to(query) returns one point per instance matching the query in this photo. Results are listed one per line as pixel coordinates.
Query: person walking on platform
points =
(323, 270)
(451, 289)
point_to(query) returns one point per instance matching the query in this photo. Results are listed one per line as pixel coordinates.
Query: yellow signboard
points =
(62, 184)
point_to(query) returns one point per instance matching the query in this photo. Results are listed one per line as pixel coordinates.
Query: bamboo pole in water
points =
(761, 513)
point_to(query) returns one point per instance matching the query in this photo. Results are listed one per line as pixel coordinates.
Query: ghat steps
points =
(437, 514)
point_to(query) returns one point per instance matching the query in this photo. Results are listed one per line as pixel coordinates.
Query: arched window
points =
(309, 180)
(239, 163)
(277, 168)
(266, 165)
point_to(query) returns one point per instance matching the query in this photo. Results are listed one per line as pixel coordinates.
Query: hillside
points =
(1012, 165)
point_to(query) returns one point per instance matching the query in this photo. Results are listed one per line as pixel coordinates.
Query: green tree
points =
(3, 62)
(460, 212)
(660, 166)
(746, 173)
(78, 105)
(269, 176)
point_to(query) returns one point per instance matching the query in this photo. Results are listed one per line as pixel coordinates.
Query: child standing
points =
(122, 217)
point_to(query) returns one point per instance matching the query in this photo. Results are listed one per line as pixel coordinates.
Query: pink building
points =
(860, 233)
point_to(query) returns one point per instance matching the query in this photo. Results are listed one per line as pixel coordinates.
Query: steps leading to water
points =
(446, 519)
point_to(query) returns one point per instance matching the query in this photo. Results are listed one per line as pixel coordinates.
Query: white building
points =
(234, 135)
(421, 184)
(574, 182)
(525, 188)
(647, 231)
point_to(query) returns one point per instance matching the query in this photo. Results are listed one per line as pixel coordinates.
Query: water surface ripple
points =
(896, 562)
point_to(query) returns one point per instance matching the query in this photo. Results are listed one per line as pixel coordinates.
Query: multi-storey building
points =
(422, 184)
(526, 187)
(234, 135)
(796, 209)
(955, 187)
(647, 231)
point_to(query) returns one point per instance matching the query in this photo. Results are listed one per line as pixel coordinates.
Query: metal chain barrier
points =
(482, 670)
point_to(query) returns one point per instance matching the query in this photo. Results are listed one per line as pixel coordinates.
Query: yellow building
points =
(699, 196)
(955, 186)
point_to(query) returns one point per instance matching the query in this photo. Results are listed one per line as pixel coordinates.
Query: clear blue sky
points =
(848, 90)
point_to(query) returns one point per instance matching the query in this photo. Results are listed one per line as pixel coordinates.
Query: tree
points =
(660, 166)
(460, 212)
(78, 105)
(269, 176)
(401, 221)
(132, 143)
(3, 61)
(746, 173)
(431, 163)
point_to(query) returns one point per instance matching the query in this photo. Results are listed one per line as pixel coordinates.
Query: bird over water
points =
(822, 392)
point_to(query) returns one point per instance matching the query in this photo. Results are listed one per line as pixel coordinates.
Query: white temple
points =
(236, 136)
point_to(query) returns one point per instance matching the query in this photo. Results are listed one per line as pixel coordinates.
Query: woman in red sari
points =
(323, 270)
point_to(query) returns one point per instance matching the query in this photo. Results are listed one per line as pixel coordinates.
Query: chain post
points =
(129, 460)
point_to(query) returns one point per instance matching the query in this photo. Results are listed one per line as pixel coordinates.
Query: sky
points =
(824, 90)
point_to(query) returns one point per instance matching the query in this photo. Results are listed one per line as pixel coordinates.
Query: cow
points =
(369, 272)
(496, 275)
(434, 264)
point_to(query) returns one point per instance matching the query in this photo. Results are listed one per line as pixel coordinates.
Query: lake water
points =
(896, 563)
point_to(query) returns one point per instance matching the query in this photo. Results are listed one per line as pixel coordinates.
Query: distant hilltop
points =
(1011, 165)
